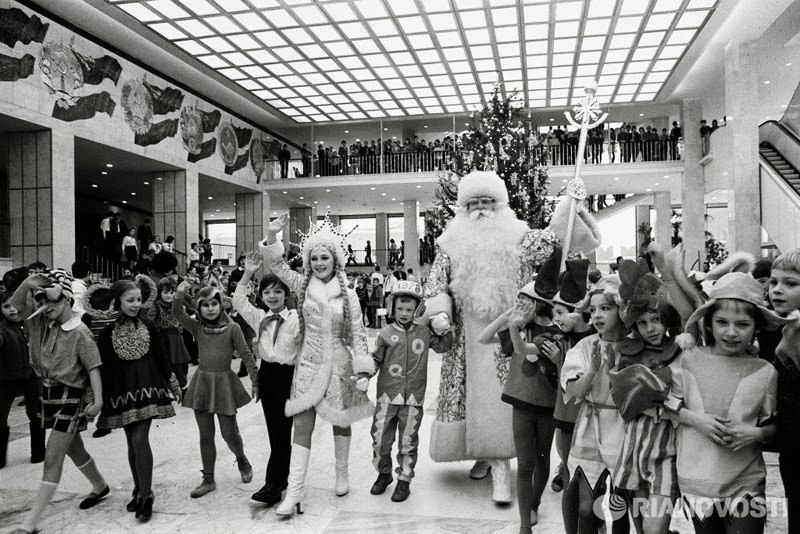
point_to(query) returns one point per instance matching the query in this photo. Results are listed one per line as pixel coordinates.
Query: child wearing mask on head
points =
(527, 335)
(16, 374)
(215, 389)
(138, 382)
(64, 354)
(401, 361)
(276, 337)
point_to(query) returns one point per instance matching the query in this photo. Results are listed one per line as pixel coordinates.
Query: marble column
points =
(174, 192)
(741, 106)
(380, 252)
(193, 215)
(692, 185)
(250, 221)
(41, 198)
(642, 217)
(663, 208)
(411, 236)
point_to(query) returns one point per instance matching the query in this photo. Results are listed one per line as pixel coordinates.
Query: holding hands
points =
(361, 380)
(440, 323)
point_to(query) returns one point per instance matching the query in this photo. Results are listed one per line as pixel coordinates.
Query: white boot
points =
(341, 448)
(298, 465)
(479, 469)
(501, 481)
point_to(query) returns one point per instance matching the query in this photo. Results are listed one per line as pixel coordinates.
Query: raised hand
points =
(279, 224)
(252, 262)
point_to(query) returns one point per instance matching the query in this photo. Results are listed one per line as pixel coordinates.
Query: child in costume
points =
(334, 348)
(599, 427)
(137, 384)
(528, 336)
(375, 302)
(64, 354)
(16, 374)
(401, 361)
(569, 316)
(784, 295)
(170, 330)
(215, 389)
(640, 383)
(725, 403)
(276, 330)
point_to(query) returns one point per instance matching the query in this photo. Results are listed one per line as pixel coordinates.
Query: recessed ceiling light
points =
(347, 131)
(648, 189)
(565, 181)
(394, 137)
(217, 211)
(328, 207)
(656, 183)
(789, 64)
(386, 129)
(425, 126)
(124, 201)
(274, 212)
(372, 189)
(106, 172)
(212, 214)
(666, 176)
(301, 198)
(133, 194)
(394, 199)
(210, 198)
(327, 190)
(109, 165)
(466, 124)
(160, 178)
(616, 178)
(383, 194)
(419, 187)
(234, 203)
(94, 185)
(766, 82)
(285, 192)
(147, 183)
(641, 114)
(316, 202)
(551, 120)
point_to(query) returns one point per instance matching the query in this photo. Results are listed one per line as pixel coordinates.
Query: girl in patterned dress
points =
(170, 330)
(334, 349)
(599, 427)
(138, 382)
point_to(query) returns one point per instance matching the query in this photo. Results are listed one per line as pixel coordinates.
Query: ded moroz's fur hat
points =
(482, 184)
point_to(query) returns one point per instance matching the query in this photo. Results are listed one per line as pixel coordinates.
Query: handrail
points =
(785, 129)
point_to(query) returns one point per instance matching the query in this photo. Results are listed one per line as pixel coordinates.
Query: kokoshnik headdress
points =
(328, 236)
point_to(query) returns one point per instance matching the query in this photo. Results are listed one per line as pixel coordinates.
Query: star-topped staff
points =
(589, 114)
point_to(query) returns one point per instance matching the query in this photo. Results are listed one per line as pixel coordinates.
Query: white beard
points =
(484, 255)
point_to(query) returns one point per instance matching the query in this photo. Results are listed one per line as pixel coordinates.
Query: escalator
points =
(779, 183)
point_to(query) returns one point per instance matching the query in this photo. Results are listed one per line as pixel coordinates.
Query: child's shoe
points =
(401, 491)
(207, 486)
(144, 508)
(382, 482)
(245, 469)
(131, 506)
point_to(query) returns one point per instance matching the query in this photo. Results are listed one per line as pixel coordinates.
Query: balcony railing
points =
(405, 162)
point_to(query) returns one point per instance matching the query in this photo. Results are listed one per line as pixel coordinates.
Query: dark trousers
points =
(284, 168)
(275, 384)
(790, 473)
(741, 521)
(31, 388)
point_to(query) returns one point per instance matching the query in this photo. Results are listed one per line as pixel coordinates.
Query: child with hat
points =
(570, 316)
(64, 354)
(599, 427)
(215, 389)
(724, 399)
(528, 336)
(401, 361)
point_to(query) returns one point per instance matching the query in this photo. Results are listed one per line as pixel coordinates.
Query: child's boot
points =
(245, 469)
(298, 465)
(381, 483)
(401, 491)
(341, 447)
(4, 433)
(207, 486)
(37, 442)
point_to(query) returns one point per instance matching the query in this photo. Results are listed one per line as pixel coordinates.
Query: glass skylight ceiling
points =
(332, 60)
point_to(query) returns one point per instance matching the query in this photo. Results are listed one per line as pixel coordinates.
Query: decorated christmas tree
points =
(498, 140)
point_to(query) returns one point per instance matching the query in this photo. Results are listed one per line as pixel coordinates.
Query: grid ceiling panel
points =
(329, 60)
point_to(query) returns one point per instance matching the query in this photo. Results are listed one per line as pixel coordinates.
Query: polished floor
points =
(443, 498)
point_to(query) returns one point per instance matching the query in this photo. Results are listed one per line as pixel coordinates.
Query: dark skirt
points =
(174, 346)
(219, 392)
(131, 254)
(62, 406)
(136, 392)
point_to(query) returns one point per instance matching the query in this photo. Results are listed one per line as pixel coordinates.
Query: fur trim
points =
(146, 285)
(364, 364)
(103, 293)
(738, 261)
(482, 184)
(346, 417)
(585, 231)
(323, 292)
(441, 303)
(313, 395)
(685, 341)
(448, 441)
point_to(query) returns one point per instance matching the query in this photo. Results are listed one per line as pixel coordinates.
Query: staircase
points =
(780, 165)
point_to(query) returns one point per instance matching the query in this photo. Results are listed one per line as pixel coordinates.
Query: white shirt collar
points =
(283, 313)
(72, 324)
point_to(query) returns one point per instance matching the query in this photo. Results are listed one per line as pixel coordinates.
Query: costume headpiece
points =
(481, 184)
(640, 289)
(61, 284)
(407, 288)
(738, 286)
(572, 284)
(546, 283)
(99, 302)
(325, 235)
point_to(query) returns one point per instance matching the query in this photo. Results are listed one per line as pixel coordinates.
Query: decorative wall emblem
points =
(191, 130)
(257, 158)
(61, 72)
(138, 105)
(228, 145)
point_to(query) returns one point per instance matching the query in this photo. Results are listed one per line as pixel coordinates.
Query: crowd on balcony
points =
(364, 157)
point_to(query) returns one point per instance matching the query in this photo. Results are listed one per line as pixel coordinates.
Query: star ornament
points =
(325, 233)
